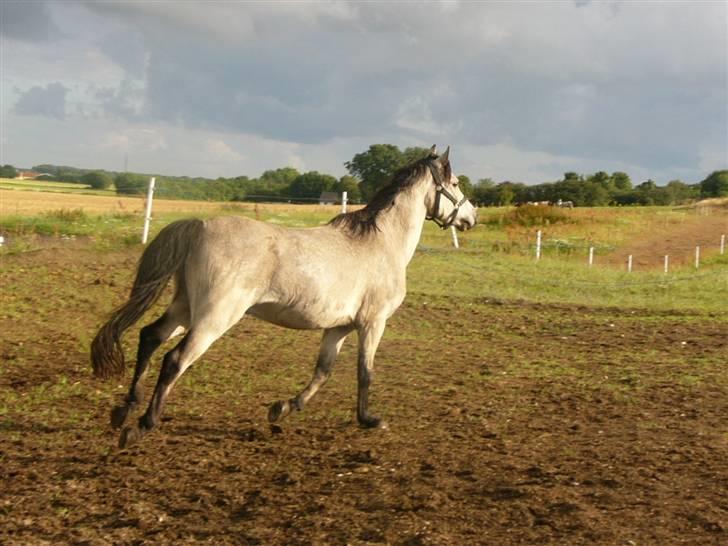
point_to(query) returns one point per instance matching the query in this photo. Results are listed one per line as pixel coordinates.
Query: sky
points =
(521, 91)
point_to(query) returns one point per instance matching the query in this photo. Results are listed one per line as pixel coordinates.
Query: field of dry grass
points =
(21, 202)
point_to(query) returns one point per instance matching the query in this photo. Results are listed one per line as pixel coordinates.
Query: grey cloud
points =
(27, 21)
(630, 83)
(48, 101)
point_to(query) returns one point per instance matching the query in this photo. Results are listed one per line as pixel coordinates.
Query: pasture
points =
(528, 402)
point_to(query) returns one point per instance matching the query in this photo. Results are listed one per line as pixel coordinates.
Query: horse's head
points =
(446, 204)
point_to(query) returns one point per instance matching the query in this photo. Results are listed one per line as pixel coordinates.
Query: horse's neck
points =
(401, 225)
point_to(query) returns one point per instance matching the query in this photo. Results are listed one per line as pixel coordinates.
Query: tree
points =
(130, 184)
(8, 171)
(97, 180)
(484, 192)
(349, 185)
(715, 185)
(677, 192)
(465, 185)
(375, 167)
(311, 184)
(279, 178)
(621, 181)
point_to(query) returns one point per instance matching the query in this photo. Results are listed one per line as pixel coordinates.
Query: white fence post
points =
(538, 244)
(591, 256)
(148, 211)
(343, 202)
(697, 257)
(722, 244)
(455, 242)
(667, 263)
(629, 263)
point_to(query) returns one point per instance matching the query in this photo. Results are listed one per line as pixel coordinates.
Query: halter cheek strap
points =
(442, 191)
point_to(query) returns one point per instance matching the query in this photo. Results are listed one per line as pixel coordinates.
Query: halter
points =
(442, 191)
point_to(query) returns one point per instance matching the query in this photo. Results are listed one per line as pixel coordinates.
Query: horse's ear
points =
(445, 158)
(433, 151)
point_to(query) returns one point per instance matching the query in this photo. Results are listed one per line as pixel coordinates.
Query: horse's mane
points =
(364, 221)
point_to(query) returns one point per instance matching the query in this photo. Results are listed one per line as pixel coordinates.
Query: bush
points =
(97, 180)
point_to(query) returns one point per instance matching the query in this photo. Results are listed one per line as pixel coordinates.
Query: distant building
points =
(27, 175)
(329, 198)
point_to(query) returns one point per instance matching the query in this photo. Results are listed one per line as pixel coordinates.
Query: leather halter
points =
(442, 191)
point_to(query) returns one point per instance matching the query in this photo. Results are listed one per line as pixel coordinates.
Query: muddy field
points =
(510, 423)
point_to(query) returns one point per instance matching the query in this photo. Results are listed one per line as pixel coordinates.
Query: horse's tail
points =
(164, 257)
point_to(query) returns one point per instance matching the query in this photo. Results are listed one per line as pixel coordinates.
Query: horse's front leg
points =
(369, 336)
(331, 343)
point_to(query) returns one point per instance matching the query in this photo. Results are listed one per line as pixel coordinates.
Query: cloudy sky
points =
(523, 91)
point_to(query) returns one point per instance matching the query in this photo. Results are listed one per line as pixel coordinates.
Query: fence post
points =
(667, 262)
(538, 244)
(343, 202)
(697, 257)
(148, 211)
(591, 256)
(629, 263)
(722, 244)
(455, 242)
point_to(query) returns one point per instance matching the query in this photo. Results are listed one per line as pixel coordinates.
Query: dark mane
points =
(364, 221)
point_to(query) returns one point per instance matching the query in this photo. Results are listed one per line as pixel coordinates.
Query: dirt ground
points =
(702, 227)
(509, 423)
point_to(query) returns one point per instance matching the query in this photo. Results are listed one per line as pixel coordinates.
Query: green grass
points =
(495, 260)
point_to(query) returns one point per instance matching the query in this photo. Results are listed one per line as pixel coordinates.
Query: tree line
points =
(374, 167)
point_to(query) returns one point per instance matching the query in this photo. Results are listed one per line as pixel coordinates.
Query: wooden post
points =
(667, 263)
(538, 244)
(722, 244)
(148, 211)
(343, 202)
(697, 257)
(591, 256)
(629, 263)
(455, 242)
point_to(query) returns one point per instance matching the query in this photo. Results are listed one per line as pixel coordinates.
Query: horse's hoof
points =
(129, 436)
(278, 410)
(118, 416)
(373, 422)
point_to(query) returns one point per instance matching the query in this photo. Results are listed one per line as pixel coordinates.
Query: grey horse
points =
(347, 275)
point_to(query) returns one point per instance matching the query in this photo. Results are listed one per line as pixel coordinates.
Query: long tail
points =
(164, 257)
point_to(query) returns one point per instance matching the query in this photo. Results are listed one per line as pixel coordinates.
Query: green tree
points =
(349, 185)
(8, 171)
(311, 184)
(484, 192)
(715, 185)
(621, 180)
(506, 193)
(678, 192)
(130, 184)
(97, 180)
(465, 185)
(375, 167)
(279, 177)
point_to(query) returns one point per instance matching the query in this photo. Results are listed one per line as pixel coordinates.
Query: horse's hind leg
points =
(331, 344)
(171, 323)
(175, 362)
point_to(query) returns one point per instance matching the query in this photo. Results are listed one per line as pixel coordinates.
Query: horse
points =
(347, 275)
(565, 204)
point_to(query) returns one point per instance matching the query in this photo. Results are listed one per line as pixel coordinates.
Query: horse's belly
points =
(302, 318)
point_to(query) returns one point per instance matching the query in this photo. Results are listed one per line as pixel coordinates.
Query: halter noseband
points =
(442, 191)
